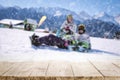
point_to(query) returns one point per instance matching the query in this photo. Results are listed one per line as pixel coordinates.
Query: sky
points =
(92, 7)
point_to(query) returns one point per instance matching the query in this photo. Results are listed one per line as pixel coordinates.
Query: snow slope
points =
(15, 46)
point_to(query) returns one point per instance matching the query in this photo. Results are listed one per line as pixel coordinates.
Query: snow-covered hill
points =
(15, 46)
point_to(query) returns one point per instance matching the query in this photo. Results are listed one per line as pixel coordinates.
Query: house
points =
(13, 22)
(19, 24)
(30, 24)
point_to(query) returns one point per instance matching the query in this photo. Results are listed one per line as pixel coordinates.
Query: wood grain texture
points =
(59, 71)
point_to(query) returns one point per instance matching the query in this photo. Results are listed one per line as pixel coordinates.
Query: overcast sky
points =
(90, 6)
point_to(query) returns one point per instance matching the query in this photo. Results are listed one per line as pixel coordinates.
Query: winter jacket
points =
(66, 25)
(67, 30)
(83, 40)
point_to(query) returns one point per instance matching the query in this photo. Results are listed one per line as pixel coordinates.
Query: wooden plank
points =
(85, 71)
(117, 63)
(108, 70)
(4, 67)
(13, 70)
(19, 69)
(39, 69)
(88, 78)
(61, 69)
(112, 78)
(23, 78)
(32, 69)
(36, 78)
(25, 69)
(7, 78)
(59, 78)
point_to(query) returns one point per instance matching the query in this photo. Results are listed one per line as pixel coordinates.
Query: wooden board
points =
(117, 63)
(59, 70)
(39, 69)
(19, 69)
(4, 67)
(108, 70)
(86, 71)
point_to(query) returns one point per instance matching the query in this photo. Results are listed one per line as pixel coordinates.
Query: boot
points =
(35, 40)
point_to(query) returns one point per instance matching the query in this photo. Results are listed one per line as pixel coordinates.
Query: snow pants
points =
(52, 40)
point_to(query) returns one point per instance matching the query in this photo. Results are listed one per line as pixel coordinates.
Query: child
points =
(49, 40)
(82, 40)
(67, 29)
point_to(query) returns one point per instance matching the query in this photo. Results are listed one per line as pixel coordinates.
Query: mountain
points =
(56, 11)
(56, 16)
(98, 28)
(84, 15)
(1, 7)
(105, 17)
(117, 19)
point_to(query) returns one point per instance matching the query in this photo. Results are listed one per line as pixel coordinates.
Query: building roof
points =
(8, 21)
(32, 21)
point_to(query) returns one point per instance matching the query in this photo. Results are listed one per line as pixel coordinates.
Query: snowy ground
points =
(15, 46)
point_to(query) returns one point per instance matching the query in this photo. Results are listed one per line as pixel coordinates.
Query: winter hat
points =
(81, 27)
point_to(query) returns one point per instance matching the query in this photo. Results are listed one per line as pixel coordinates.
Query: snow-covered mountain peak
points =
(117, 19)
(105, 17)
(58, 13)
(84, 15)
(102, 14)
